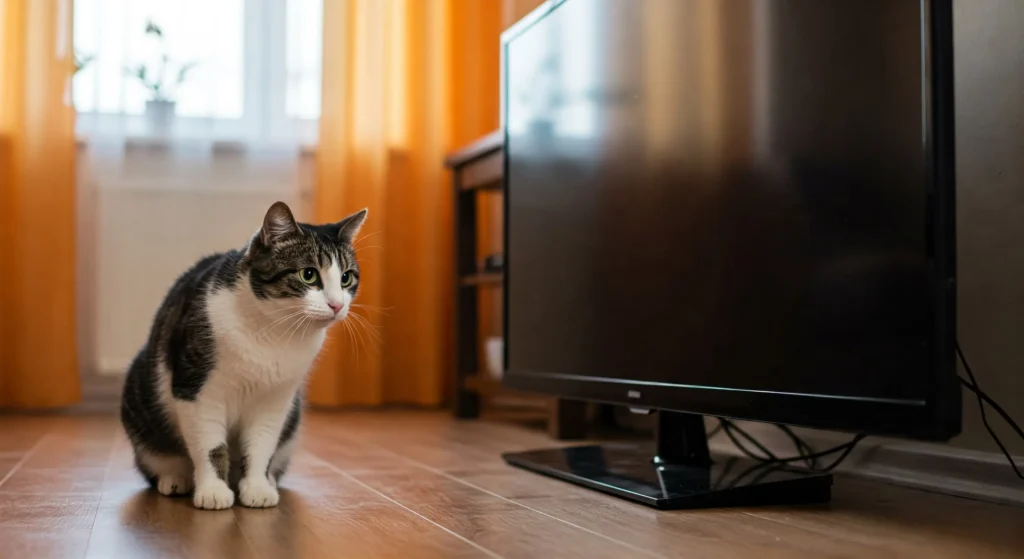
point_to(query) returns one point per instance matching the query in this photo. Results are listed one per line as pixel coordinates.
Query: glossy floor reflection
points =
(409, 485)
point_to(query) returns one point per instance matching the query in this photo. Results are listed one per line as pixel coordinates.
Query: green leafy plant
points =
(81, 61)
(155, 80)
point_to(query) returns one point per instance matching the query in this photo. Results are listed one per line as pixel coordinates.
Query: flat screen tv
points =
(740, 209)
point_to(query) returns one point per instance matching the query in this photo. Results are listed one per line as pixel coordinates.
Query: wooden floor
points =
(410, 485)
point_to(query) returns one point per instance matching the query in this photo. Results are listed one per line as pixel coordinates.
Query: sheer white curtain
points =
(242, 136)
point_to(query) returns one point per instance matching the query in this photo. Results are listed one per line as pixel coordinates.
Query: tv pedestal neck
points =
(677, 471)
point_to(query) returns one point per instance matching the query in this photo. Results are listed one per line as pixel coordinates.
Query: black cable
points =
(993, 404)
(983, 398)
(731, 429)
(852, 444)
(715, 431)
(766, 467)
(762, 468)
(728, 426)
(846, 448)
(729, 464)
(801, 445)
(810, 458)
(973, 387)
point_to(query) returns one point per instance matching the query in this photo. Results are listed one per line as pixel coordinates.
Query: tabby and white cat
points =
(213, 400)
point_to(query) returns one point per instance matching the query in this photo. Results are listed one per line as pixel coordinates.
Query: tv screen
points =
(734, 208)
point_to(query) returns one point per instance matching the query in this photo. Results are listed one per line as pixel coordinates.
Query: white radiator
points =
(145, 233)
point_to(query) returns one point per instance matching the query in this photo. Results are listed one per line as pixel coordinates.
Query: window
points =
(253, 66)
(304, 51)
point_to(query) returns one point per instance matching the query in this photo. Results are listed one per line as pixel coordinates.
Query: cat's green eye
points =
(309, 275)
(347, 279)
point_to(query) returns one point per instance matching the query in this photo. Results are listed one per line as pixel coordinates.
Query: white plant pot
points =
(160, 117)
(494, 351)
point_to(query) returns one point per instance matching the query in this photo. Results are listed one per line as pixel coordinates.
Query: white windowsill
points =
(219, 147)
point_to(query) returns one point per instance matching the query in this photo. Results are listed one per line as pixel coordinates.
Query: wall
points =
(514, 10)
(989, 55)
(140, 232)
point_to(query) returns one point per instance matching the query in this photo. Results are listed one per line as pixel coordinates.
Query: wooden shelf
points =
(482, 384)
(491, 185)
(491, 388)
(480, 167)
(482, 278)
(477, 175)
(486, 145)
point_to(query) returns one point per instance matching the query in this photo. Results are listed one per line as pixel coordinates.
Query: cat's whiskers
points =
(365, 322)
(363, 238)
(268, 313)
(259, 316)
(306, 329)
(364, 338)
(357, 341)
(305, 320)
(272, 324)
(352, 341)
(293, 324)
(373, 339)
(380, 310)
(267, 328)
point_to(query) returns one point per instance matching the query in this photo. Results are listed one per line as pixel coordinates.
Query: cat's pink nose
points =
(336, 307)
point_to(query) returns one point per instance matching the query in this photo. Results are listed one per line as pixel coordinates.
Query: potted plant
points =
(81, 61)
(161, 106)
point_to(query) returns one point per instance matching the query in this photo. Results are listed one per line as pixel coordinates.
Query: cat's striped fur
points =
(213, 400)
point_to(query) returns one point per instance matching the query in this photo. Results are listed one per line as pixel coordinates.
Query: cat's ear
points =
(278, 224)
(349, 227)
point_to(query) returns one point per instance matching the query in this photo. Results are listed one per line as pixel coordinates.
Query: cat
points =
(214, 398)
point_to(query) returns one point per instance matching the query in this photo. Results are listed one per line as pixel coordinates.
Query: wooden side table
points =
(477, 168)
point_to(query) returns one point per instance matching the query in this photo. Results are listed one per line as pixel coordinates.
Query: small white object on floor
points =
(494, 348)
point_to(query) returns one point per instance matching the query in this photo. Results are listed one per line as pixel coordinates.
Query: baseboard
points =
(112, 367)
(932, 467)
(101, 393)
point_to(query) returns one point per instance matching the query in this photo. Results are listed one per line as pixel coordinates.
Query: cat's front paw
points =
(174, 485)
(257, 492)
(213, 495)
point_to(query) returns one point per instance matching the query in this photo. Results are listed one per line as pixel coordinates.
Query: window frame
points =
(264, 93)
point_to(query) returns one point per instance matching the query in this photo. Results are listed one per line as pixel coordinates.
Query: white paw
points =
(174, 485)
(213, 495)
(257, 492)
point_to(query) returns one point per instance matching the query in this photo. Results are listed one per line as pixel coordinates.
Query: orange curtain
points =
(398, 93)
(38, 364)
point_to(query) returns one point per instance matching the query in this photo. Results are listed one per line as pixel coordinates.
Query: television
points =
(738, 209)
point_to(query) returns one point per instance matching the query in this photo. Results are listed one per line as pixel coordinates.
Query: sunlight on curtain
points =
(392, 106)
(38, 354)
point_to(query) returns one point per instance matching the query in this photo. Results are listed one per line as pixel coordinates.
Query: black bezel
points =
(937, 417)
